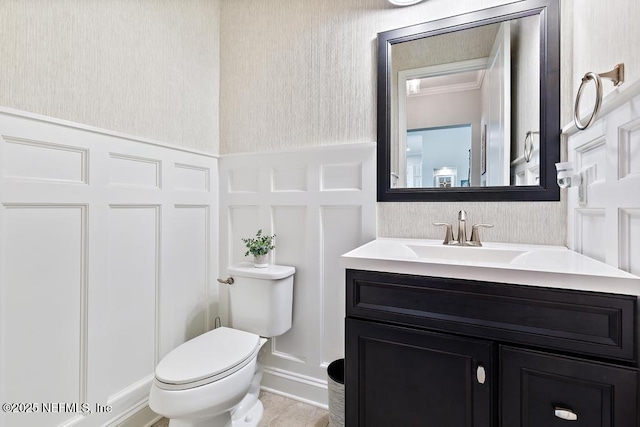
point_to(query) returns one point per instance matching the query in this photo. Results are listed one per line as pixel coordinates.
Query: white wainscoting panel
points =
(320, 203)
(342, 221)
(292, 238)
(289, 179)
(243, 180)
(189, 177)
(186, 304)
(241, 220)
(132, 287)
(629, 146)
(130, 170)
(630, 240)
(342, 177)
(590, 232)
(28, 159)
(593, 153)
(108, 254)
(607, 226)
(43, 323)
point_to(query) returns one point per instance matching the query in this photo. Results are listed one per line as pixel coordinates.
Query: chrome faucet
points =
(462, 227)
(462, 232)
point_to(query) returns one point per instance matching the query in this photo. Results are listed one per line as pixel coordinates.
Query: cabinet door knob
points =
(481, 374)
(565, 414)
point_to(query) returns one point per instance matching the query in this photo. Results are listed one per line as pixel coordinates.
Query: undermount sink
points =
(465, 253)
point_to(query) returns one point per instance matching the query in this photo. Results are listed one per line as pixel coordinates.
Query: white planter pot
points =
(261, 261)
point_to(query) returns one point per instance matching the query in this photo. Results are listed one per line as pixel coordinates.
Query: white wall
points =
(526, 114)
(604, 34)
(293, 75)
(444, 110)
(455, 47)
(438, 110)
(320, 204)
(302, 74)
(108, 247)
(607, 226)
(109, 274)
(145, 67)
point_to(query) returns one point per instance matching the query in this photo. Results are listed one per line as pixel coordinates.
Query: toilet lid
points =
(271, 272)
(212, 355)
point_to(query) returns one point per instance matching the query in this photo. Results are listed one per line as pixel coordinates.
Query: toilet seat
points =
(207, 358)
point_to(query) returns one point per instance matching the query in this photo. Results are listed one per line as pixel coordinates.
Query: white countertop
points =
(535, 265)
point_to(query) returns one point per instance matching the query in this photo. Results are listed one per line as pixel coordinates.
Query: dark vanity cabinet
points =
(537, 388)
(411, 377)
(426, 351)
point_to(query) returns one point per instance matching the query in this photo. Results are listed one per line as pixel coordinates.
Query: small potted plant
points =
(259, 247)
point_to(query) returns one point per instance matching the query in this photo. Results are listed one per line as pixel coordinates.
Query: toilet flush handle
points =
(229, 280)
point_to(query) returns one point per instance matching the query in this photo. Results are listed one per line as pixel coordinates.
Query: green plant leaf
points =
(260, 244)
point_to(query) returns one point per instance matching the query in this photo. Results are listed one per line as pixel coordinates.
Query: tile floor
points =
(162, 423)
(280, 411)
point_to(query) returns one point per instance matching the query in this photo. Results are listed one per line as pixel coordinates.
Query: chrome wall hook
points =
(616, 76)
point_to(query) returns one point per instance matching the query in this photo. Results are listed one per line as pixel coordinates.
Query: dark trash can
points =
(335, 372)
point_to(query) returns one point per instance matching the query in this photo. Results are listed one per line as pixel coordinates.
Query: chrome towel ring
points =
(616, 76)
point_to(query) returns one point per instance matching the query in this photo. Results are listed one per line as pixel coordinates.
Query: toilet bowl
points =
(214, 379)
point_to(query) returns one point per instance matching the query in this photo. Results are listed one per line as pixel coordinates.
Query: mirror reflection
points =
(465, 107)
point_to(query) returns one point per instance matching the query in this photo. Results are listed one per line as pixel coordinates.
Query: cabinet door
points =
(396, 376)
(544, 390)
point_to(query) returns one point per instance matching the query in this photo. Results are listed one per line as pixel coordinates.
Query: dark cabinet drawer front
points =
(583, 322)
(534, 385)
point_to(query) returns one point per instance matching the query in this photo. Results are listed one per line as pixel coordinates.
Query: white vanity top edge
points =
(533, 265)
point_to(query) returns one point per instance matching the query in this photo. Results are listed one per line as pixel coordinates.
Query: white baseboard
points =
(141, 416)
(295, 386)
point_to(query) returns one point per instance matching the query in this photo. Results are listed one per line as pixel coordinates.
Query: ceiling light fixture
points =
(413, 86)
(404, 2)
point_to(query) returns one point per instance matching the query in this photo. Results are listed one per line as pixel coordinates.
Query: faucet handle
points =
(462, 215)
(475, 236)
(448, 237)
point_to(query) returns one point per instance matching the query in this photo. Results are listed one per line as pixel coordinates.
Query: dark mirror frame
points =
(548, 190)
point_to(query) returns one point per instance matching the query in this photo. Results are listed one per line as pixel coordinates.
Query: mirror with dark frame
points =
(469, 106)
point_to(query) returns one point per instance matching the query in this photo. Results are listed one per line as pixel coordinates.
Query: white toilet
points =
(214, 379)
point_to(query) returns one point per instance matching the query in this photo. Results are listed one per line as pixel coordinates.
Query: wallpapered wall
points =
(604, 34)
(302, 73)
(289, 74)
(143, 67)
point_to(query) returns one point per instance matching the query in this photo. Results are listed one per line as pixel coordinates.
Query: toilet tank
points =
(261, 299)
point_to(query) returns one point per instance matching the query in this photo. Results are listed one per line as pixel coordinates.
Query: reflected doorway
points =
(439, 156)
